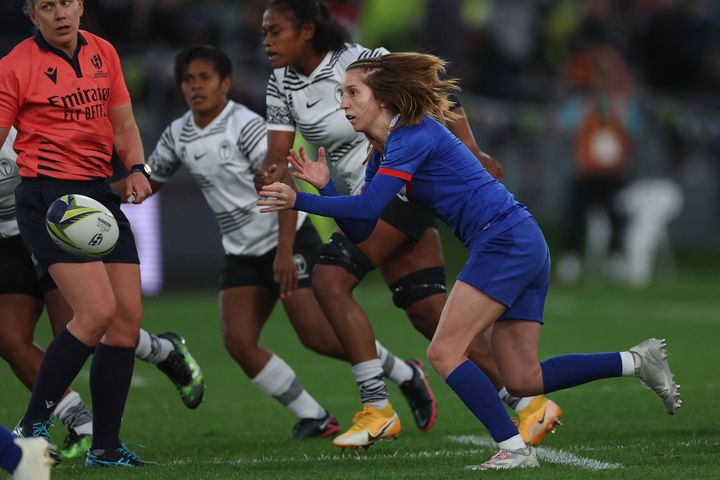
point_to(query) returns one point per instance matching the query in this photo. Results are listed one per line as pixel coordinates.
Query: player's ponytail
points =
(329, 35)
(410, 84)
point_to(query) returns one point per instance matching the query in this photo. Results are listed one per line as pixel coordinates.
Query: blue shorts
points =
(32, 200)
(513, 268)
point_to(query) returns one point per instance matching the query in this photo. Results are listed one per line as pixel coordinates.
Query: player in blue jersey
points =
(398, 101)
(309, 50)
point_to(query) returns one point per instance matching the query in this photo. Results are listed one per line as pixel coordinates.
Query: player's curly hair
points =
(410, 85)
(329, 35)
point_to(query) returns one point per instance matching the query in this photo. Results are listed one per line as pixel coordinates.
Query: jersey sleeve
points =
(164, 160)
(119, 94)
(279, 116)
(373, 52)
(405, 153)
(252, 142)
(9, 93)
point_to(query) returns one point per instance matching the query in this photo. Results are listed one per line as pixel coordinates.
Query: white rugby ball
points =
(82, 226)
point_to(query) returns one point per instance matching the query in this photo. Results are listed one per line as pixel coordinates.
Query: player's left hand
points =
(278, 196)
(317, 173)
(285, 273)
(266, 177)
(137, 188)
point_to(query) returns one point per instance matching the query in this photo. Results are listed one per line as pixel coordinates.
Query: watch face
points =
(148, 170)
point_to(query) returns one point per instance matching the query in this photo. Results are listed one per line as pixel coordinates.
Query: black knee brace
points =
(342, 252)
(418, 285)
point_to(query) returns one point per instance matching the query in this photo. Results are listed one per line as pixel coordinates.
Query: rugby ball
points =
(82, 226)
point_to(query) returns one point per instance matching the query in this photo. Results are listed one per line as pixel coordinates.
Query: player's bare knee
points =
(442, 358)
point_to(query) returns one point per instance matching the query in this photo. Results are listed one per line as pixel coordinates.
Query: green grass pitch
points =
(612, 428)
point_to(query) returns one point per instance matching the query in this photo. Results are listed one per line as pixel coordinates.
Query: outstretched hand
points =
(317, 173)
(277, 196)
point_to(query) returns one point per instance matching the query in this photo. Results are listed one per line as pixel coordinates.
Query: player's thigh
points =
(412, 256)
(243, 313)
(18, 317)
(468, 313)
(88, 290)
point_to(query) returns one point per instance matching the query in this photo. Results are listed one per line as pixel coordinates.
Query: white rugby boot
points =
(507, 459)
(653, 371)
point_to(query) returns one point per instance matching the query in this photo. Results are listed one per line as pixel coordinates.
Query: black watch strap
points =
(143, 168)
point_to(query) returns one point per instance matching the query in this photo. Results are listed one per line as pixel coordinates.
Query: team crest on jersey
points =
(7, 168)
(301, 266)
(225, 150)
(97, 61)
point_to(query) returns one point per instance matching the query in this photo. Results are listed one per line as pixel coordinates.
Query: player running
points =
(309, 52)
(398, 101)
(221, 143)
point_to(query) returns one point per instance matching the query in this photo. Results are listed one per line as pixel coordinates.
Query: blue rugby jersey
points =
(433, 169)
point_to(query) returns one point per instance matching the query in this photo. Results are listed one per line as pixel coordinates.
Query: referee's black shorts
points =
(34, 196)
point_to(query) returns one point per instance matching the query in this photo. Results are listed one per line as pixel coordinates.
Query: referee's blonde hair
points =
(409, 84)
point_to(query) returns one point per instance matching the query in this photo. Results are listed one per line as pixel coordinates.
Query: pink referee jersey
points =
(59, 106)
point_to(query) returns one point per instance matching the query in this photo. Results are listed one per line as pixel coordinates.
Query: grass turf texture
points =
(612, 428)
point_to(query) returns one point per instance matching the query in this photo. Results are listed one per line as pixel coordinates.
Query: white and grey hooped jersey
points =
(312, 104)
(222, 159)
(9, 179)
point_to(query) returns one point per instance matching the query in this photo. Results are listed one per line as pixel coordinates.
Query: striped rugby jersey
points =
(222, 158)
(312, 104)
(9, 179)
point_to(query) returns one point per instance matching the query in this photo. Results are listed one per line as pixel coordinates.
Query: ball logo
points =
(104, 223)
(95, 240)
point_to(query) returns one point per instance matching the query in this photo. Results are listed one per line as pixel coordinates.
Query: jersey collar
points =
(74, 62)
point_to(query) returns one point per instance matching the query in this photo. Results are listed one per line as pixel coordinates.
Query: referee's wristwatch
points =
(143, 168)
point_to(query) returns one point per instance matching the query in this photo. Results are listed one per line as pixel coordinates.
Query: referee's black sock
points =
(63, 360)
(110, 376)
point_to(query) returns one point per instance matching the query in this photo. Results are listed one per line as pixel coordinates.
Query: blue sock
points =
(565, 371)
(477, 392)
(10, 453)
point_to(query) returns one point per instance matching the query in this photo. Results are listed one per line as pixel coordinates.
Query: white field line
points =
(552, 455)
(357, 455)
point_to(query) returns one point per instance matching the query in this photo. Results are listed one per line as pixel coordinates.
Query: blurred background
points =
(604, 113)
